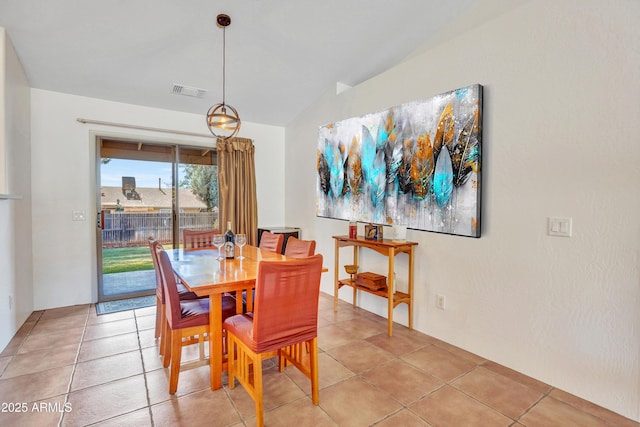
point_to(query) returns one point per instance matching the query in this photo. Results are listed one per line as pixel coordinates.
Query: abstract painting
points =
(415, 165)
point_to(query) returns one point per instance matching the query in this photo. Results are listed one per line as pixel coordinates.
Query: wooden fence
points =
(134, 228)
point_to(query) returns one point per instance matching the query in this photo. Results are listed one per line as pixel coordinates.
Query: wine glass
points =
(241, 240)
(218, 242)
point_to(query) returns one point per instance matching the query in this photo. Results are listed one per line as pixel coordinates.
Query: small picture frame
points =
(370, 232)
(373, 232)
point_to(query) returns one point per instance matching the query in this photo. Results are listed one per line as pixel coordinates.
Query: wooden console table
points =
(388, 248)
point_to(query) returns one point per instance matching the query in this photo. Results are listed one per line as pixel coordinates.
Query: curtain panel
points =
(237, 187)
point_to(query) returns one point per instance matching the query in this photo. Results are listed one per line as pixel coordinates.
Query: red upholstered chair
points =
(297, 248)
(285, 318)
(187, 321)
(183, 293)
(271, 242)
(198, 239)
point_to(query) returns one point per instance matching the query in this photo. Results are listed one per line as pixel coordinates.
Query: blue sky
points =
(145, 173)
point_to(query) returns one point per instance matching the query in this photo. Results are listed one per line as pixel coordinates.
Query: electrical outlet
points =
(10, 302)
(440, 301)
(78, 216)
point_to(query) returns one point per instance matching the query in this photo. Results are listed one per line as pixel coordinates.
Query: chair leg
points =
(313, 362)
(240, 363)
(163, 328)
(201, 346)
(231, 361)
(225, 342)
(159, 312)
(166, 345)
(257, 389)
(176, 356)
(303, 356)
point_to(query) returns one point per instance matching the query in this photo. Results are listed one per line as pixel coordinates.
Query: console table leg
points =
(335, 277)
(410, 287)
(355, 262)
(390, 289)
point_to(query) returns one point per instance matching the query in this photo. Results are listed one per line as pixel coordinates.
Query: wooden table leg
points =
(215, 340)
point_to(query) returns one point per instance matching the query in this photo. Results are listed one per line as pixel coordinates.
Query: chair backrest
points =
(172, 300)
(198, 239)
(286, 303)
(271, 242)
(155, 246)
(297, 248)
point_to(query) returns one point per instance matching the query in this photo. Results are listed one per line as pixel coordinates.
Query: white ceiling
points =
(281, 54)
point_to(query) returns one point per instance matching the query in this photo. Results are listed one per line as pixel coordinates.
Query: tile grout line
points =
(477, 399)
(28, 334)
(445, 384)
(144, 370)
(233, 404)
(403, 407)
(360, 376)
(75, 364)
(137, 332)
(534, 404)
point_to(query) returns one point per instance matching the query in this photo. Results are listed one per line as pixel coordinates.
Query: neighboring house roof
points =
(159, 198)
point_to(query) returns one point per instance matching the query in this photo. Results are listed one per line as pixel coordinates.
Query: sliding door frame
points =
(192, 152)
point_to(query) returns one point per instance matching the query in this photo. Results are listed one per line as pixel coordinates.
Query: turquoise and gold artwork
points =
(416, 165)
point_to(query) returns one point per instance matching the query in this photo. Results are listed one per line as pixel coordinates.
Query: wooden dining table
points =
(201, 272)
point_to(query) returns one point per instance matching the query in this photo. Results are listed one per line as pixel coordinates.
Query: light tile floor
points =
(70, 367)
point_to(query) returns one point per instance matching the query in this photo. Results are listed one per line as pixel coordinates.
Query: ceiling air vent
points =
(179, 89)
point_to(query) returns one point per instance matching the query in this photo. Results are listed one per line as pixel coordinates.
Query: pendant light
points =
(223, 118)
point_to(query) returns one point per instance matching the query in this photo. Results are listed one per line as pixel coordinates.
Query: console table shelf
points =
(398, 296)
(388, 248)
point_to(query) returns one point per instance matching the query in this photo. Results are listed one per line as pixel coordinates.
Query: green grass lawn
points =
(119, 260)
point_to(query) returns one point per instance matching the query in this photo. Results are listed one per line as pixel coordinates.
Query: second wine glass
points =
(241, 240)
(218, 242)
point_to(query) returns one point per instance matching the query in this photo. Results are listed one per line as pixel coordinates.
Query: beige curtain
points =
(237, 187)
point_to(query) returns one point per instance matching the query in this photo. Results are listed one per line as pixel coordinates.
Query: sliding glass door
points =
(147, 190)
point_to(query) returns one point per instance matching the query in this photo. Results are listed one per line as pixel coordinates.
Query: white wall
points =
(63, 174)
(560, 138)
(16, 286)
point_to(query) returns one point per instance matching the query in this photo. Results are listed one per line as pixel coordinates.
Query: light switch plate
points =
(558, 226)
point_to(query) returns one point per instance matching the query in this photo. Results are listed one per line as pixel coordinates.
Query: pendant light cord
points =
(218, 117)
(224, 66)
